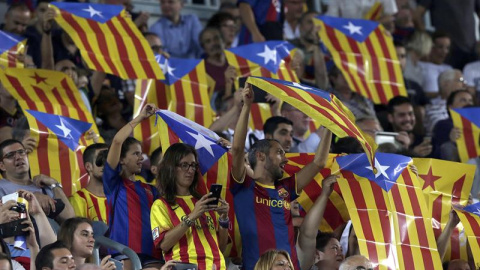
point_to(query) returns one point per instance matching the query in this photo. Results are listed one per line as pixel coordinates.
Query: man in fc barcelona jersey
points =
(269, 225)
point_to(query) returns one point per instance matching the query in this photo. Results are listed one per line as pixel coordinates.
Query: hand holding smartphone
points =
(216, 191)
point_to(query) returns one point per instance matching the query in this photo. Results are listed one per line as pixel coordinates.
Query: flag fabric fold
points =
(58, 120)
(470, 218)
(108, 39)
(10, 47)
(364, 53)
(468, 121)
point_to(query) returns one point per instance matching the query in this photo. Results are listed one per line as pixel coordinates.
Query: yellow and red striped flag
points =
(58, 120)
(215, 161)
(470, 218)
(336, 212)
(375, 12)
(468, 121)
(365, 54)
(445, 183)
(388, 212)
(108, 39)
(10, 47)
(321, 106)
(184, 91)
(269, 59)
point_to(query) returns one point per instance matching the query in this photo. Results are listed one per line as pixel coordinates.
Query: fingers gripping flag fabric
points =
(468, 121)
(108, 39)
(10, 47)
(336, 212)
(388, 212)
(446, 183)
(58, 120)
(215, 161)
(321, 106)
(470, 218)
(269, 59)
(365, 55)
(183, 91)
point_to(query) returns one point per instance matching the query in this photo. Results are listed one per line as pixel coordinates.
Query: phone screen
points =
(216, 191)
(259, 96)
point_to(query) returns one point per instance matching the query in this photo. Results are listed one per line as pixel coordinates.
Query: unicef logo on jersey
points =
(273, 202)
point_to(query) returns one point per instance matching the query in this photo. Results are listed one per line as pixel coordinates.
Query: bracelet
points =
(130, 124)
(224, 223)
(188, 222)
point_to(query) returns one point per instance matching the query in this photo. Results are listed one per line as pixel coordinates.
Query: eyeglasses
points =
(186, 166)
(157, 48)
(11, 155)
(462, 80)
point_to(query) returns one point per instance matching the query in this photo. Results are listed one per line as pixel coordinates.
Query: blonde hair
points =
(265, 262)
(420, 42)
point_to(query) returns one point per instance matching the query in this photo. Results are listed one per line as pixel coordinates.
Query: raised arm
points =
(444, 237)
(113, 157)
(248, 18)
(306, 174)
(238, 146)
(46, 47)
(224, 121)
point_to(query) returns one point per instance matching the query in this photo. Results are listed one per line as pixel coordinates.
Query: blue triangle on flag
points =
(267, 54)
(389, 167)
(473, 209)
(306, 88)
(472, 114)
(66, 129)
(97, 12)
(358, 29)
(203, 139)
(8, 40)
(175, 68)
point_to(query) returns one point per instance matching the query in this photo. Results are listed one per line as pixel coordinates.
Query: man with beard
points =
(262, 202)
(402, 119)
(16, 18)
(280, 129)
(90, 202)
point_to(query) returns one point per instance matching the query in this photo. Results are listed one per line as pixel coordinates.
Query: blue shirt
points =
(180, 40)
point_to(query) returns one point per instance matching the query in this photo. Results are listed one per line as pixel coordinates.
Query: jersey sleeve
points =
(160, 221)
(79, 205)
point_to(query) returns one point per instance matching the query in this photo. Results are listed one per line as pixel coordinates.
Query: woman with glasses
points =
(187, 226)
(274, 259)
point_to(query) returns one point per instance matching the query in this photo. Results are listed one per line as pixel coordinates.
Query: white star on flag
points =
(353, 28)
(202, 142)
(477, 212)
(166, 68)
(380, 169)
(268, 55)
(66, 131)
(301, 86)
(93, 12)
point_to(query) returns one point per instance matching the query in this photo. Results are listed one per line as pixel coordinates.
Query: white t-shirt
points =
(431, 72)
(471, 73)
(357, 9)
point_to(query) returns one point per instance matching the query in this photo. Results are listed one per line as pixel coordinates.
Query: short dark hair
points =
(262, 146)
(7, 143)
(89, 153)
(453, 94)
(155, 157)
(126, 145)
(146, 34)
(218, 18)
(399, 43)
(397, 101)
(206, 29)
(272, 124)
(304, 15)
(322, 240)
(45, 256)
(17, 5)
(439, 34)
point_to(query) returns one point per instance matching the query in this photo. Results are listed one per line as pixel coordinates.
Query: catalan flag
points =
(468, 121)
(388, 212)
(470, 218)
(58, 120)
(375, 12)
(108, 39)
(322, 106)
(445, 183)
(336, 212)
(269, 59)
(365, 54)
(10, 46)
(215, 161)
(183, 91)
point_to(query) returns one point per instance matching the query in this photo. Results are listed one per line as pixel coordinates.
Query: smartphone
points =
(118, 264)
(259, 96)
(385, 137)
(185, 266)
(216, 191)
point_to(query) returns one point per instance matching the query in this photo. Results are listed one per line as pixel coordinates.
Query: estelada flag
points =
(468, 121)
(336, 212)
(366, 56)
(10, 47)
(470, 218)
(108, 39)
(269, 59)
(321, 106)
(444, 184)
(215, 161)
(388, 212)
(58, 120)
(183, 91)
(375, 12)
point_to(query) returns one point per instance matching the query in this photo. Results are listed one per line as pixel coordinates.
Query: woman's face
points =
(281, 262)
(186, 170)
(133, 160)
(83, 240)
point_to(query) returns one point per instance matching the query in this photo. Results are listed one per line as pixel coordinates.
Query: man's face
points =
(68, 67)
(458, 82)
(16, 21)
(307, 28)
(299, 119)
(62, 259)
(14, 161)
(333, 252)
(235, 12)
(155, 43)
(402, 118)
(461, 100)
(171, 8)
(275, 161)
(294, 8)
(212, 42)
(284, 135)
(229, 30)
(440, 49)
(40, 11)
(402, 56)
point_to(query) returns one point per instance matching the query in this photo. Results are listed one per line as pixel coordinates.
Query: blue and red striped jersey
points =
(263, 11)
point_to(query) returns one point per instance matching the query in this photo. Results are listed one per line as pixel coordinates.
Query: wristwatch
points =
(52, 186)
